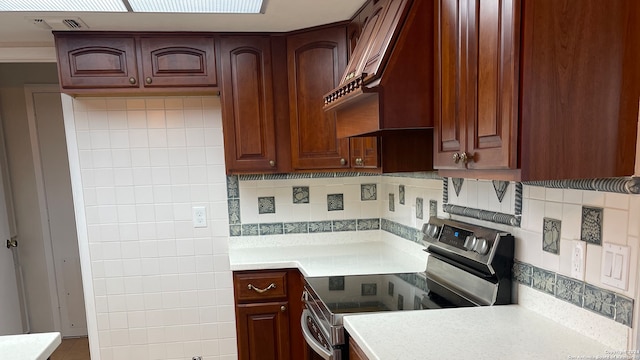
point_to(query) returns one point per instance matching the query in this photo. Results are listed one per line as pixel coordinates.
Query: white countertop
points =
(329, 259)
(29, 346)
(491, 333)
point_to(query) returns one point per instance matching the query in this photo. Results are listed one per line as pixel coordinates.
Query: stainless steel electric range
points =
(468, 265)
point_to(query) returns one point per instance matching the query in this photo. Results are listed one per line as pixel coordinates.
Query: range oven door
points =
(316, 339)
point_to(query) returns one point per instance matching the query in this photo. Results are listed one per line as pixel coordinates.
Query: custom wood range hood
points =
(388, 83)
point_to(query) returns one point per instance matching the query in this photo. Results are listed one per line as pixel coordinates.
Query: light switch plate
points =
(615, 265)
(578, 255)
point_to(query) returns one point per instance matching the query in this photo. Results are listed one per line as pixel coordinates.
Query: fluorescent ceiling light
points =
(197, 6)
(63, 5)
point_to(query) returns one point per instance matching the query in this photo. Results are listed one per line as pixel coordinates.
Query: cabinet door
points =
(263, 331)
(86, 62)
(315, 60)
(492, 129)
(178, 61)
(450, 81)
(364, 152)
(247, 104)
(360, 36)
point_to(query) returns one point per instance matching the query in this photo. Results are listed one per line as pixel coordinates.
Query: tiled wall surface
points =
(162, 288)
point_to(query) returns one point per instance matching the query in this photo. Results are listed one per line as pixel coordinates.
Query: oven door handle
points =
(311, 341)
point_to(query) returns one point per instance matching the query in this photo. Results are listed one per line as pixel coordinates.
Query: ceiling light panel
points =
(63, 5)
(197, 6)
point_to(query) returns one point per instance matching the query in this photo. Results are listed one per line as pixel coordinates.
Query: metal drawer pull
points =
(260, 291)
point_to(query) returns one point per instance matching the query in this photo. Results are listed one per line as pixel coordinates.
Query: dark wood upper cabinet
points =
(247, 104)
(92, 62)
(537, 90)
(316, 60)
(178, 61)
(87, 62)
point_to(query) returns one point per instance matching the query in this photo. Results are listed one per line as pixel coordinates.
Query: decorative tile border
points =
(428, 175)
(289, 176)
(304, 227)
(518, 199)
(622, 185)
(401, 230)
(492, 216)
(579, 293)
(445, 190)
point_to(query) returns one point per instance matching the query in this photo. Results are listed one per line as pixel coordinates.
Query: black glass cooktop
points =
(365, 293)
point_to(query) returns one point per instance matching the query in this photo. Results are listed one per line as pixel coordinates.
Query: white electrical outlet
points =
(199, 216)
(578, 255)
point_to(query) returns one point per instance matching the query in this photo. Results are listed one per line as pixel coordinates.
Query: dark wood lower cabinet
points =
(355, 353)
(265, 329)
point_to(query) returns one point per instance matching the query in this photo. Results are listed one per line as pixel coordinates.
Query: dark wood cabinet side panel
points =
(295, 288)
(576, 59)
(281, 103)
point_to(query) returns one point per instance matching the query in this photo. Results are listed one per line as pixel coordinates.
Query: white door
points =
(10, 316)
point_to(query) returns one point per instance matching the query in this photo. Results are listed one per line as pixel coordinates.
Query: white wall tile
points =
(614, 226)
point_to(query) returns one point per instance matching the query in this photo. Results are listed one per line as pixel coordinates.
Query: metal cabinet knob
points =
(359, 162)
(343, 161)
(466, 157)
(456, 158)
(132, 80)
(148, 80)
(272, 163)
(283, 308)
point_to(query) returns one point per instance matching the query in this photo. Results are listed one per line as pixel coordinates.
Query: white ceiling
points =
(16, 30)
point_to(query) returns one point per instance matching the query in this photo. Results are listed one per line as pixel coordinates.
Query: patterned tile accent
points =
(433, 208)
(235, 230)
(344, 225)
(419, 208)
(390, 288)
(624, 185)
(569, 289)
(401, 230)
(400, 302)
(368, 192)
(591, 230)
(518, 199)
(457, 185)
(336, 283)
(271, 229)
(401, 194)
(369, 289)
(599, 300)
(300, 194)
(624, 310)
(522, 273)
(275, 176)
(266, 205)
(296, 227)
(495, 217)
(335, 202)
(392, 202)
(415, 175)
(544, 280)
(501, 188)
(445, 190)
(551, 235)
(233, 187)
(368, 224)
(250, 229)
(233, 207)
(320, 226)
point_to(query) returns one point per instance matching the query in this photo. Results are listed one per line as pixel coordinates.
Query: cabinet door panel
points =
(449, 81)
(178, 61)
(316, 60)
(265, 331)
(362, 46)
(247, 103)
(103, 62)
(492, 129)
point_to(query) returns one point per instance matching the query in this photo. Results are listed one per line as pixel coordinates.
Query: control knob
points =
(470, 242)
(432, 230)
(481, 246)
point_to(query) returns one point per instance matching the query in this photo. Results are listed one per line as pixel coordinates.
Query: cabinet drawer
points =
(252, 286)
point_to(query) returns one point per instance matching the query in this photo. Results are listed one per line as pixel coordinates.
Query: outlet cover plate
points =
(615, 265)
(199, 217)
(578, 255)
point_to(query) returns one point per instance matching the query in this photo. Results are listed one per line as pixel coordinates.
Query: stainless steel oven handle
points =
(311, 341)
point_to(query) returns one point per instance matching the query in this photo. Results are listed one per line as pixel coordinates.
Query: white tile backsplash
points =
(143, 166)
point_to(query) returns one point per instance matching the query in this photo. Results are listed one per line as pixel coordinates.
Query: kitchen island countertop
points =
(29, 346)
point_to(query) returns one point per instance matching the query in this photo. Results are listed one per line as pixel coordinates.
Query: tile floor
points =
(72, 349)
